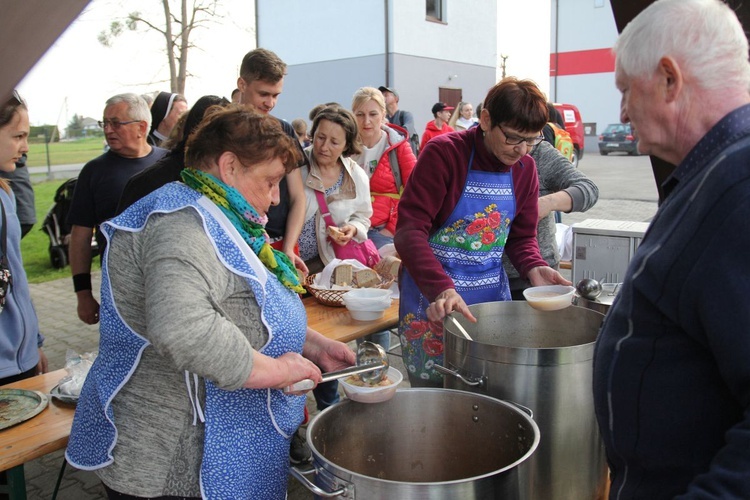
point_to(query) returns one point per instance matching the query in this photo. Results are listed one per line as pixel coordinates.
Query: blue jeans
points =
(326, 394)
(377, 238)
(383, 338)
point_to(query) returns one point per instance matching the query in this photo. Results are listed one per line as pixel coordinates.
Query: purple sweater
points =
(434, 188)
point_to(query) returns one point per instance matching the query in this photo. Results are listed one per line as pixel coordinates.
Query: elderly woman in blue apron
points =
(201, 329)
(472, 196)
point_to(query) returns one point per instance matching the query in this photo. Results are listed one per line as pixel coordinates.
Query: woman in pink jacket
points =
(387, 159)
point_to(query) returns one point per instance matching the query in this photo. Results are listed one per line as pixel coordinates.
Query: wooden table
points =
(41, 434)
(49, 431)
(336, 323)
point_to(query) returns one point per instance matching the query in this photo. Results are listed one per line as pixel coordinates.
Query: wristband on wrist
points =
(82, 281)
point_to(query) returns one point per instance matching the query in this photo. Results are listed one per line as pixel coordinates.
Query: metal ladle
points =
(372, 367)
(589, 288)
(460, 327)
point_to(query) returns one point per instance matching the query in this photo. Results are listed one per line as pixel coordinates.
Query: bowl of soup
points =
(362, 392)
(550, 297)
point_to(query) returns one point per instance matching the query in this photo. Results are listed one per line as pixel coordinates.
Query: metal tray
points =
(18, 405)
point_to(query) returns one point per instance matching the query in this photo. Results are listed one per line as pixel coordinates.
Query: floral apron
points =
(247, 432)
(470, 247)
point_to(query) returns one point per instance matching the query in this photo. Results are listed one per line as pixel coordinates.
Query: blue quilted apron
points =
(470, 247)
(247, 432)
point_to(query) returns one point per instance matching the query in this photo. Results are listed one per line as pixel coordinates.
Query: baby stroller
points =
(58, 230)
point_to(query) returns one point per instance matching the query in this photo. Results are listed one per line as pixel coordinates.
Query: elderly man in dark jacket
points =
(672, 362)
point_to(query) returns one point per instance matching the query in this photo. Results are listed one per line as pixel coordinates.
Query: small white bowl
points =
(373, 394)
(369, 293)
(366, 315)
(363, 298)
(549, 298)
(367, 304)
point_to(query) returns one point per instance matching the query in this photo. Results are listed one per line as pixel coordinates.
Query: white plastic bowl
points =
(366, 315)
(373, 394)
(549, 298)
(367, 295)
(367, 304)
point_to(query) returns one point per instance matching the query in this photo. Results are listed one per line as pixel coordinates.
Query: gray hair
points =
(137, 107)
(703, 36)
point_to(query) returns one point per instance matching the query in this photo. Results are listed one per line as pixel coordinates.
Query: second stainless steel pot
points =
(542, 360)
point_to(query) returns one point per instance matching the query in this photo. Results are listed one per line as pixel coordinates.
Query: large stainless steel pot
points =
(423, 443)
(542, 360)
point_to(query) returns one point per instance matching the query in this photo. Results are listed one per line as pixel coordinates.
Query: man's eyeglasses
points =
(115, 124)
(514, 140)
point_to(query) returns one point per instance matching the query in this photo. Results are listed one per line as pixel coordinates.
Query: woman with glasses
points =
(472, 196)
(21, 353)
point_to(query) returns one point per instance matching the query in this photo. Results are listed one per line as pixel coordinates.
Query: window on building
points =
(435, 10)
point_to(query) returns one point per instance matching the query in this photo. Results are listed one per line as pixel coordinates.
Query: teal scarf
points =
(247, 221)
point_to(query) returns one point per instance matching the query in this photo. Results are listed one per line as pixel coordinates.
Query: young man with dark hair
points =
(438, 126)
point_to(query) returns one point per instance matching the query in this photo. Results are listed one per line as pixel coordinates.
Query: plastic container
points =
(360, 315)
(373, 394)
(368, 295)
(549, 298)
(367, 304)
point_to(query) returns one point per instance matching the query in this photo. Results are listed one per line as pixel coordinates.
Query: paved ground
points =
(627, 192)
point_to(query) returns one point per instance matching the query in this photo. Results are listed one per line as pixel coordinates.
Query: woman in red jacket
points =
(387, 158)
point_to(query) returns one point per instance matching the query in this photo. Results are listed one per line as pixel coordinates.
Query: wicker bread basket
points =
(333, 298)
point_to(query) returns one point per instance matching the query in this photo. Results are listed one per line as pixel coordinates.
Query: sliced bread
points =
(367, 278)
(343, 275)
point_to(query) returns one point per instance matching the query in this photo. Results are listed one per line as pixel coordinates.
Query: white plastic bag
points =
(77, 366)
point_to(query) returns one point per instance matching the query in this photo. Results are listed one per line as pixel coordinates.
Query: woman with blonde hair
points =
(463, 117)
(387, 158)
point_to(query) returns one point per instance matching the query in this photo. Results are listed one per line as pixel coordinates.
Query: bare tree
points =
(175, 30)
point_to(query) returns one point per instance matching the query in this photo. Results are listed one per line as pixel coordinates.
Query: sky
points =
(78, 74)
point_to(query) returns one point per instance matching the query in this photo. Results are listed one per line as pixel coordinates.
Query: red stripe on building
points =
(581, 62)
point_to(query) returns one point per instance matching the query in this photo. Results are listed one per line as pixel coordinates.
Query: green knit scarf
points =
(247, 221)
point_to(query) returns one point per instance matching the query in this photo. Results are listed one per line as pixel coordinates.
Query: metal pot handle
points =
(299, 475)
(480, 382)
(521, 407)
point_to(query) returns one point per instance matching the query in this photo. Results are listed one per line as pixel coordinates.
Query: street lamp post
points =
(502, 64)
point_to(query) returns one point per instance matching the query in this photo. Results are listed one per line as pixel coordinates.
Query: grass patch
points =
(65, 153)
(35, 246)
